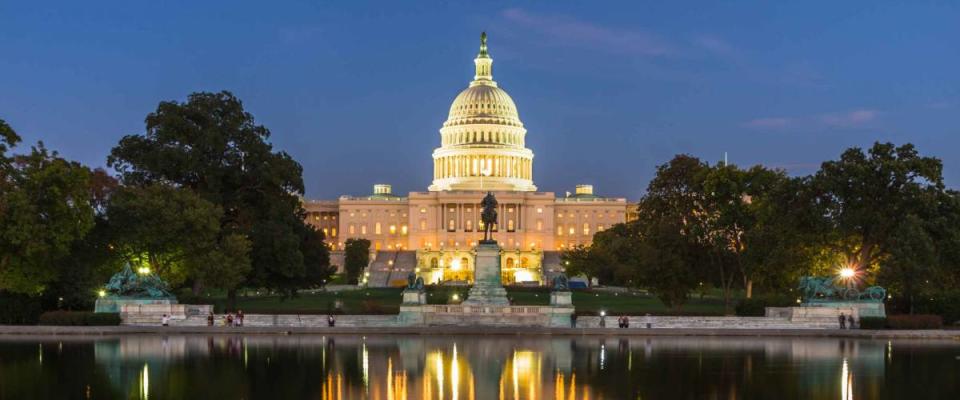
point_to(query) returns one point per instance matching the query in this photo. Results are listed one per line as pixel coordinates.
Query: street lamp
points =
(847, 273)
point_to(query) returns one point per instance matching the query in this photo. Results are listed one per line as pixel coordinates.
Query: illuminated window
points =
(600, 228)
(423, 224)
(376, 246)
(586, 229)
(510, 209)
(451, 225)
(539, 225)
(539, 210)
(325, 217)
(434, 263)
(510, 225)
(363, 229)
(376, 228)
(316, 217)
(352, 214)
(509, 262)
(326, 232)
(469, 225)
(393, 229)
(560, 230)
(333, 232)
(423, 210)
(403, 230)
(572, 231)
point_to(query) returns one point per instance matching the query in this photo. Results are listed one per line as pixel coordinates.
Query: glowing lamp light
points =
(603, 313)
(847, 273)
(456, 297)
(143, 270)
(102, 293)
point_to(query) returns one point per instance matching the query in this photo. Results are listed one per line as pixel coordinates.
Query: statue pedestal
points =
(414, 296)
(487, 288)
(561, 298)
(114, 304)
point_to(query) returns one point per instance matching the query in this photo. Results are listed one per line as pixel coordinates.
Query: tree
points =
(672, 230)
(8, 139)
(356, 256)
(667, 260)
(865, 197)
(45, 207)
(212, 147)
(912, 261)
(178, 235)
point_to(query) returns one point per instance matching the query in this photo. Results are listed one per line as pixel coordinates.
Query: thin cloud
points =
(570, 31)
(768, 123)
(716, 45)
(850, 119)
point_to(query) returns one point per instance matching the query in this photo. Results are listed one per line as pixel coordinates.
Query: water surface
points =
(474, 367)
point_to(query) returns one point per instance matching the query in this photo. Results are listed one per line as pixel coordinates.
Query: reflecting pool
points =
(474, 367)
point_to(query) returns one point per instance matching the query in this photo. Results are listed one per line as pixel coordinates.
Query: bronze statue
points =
(488, 216)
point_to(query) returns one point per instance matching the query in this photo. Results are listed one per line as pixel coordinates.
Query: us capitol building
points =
(482, 148)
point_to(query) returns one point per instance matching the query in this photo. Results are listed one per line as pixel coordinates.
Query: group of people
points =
(623, 321)
(846, 321)
(228, 320)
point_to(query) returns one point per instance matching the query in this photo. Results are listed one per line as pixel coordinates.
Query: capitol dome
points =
(482, 141)
(483, 104)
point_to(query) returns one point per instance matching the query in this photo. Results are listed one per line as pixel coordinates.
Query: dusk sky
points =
(357, 91)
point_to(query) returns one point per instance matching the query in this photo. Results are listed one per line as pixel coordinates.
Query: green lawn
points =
(387, 301)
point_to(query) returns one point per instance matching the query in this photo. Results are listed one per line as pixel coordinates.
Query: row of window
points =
(572, 230)
(378, 229)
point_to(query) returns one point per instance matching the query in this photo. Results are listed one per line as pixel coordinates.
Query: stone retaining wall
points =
(689, 322)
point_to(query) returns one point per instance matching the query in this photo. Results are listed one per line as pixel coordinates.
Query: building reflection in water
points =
(469, 368)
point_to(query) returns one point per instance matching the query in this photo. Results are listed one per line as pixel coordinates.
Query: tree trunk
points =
(197, 287)
(749, 286)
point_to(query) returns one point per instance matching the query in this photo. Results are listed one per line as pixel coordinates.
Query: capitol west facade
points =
(432, 233)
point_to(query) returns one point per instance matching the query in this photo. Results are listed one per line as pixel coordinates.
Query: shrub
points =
(78, 318)
(873, 323)
(19, 309)
(756, 307)
(916, 321)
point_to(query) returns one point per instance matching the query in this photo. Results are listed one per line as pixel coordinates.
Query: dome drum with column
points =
(482, 143)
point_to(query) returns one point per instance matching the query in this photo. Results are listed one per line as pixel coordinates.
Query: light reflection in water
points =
(846, 381)
(145, 383)
(468, 368)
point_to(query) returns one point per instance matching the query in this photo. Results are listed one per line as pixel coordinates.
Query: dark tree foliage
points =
(864, 197)
(356, 253)
(214, 148)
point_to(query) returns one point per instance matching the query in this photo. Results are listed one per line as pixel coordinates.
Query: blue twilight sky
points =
(356, 90)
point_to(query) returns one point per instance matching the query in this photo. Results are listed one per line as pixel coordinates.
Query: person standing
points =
(850, 321)
(843, 321)
(239, 317)
(165, 320)
(626, 321)
(210, 319)
(330, 321)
